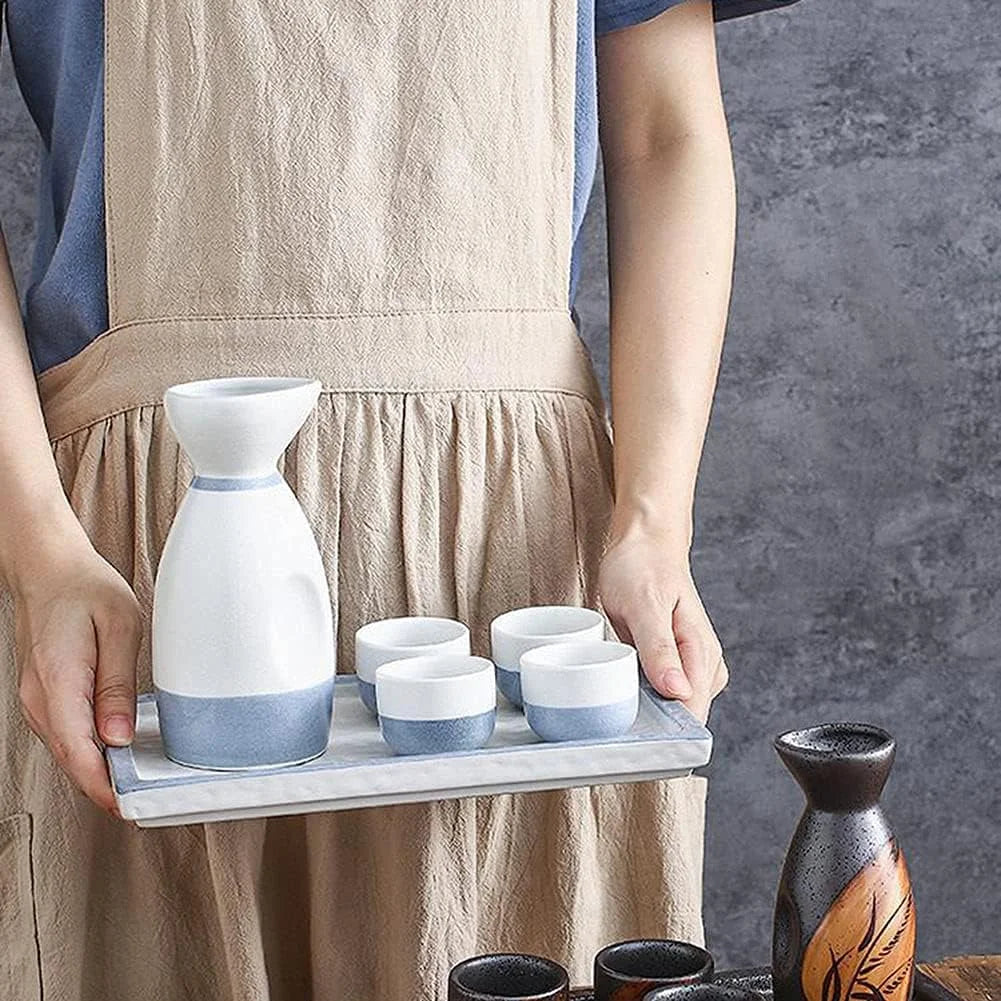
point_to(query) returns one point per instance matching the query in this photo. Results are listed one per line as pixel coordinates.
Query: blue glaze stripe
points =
(367, 694)
(226, 483)
(509, 682)
(438, 736)
(595, 722)
(246, 731)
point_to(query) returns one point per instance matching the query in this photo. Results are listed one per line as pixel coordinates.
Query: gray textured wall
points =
(847, 539)
(847, 522)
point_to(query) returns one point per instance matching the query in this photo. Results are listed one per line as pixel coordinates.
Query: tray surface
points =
(358, 769)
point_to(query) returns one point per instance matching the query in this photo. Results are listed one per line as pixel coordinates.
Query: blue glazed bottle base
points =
(246, 731)
(509, 682)
(438, 736)
(582, 723)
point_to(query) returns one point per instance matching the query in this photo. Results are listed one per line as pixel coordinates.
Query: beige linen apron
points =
(377, 195)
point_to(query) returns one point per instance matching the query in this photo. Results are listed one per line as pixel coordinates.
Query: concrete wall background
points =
(848, 528)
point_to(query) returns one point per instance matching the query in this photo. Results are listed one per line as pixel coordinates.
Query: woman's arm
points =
(669, 193)
(77, 623)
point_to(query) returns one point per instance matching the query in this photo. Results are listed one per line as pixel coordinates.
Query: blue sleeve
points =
(609, 15)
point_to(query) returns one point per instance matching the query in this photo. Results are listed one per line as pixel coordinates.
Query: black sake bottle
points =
(844, 919)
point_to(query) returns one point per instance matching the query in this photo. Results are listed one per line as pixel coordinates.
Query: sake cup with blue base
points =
(522, 629)
(378, 643)
(436, 703)
(582, 690)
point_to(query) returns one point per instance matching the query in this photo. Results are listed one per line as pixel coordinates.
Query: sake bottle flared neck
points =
(840, 767)
(238, 427)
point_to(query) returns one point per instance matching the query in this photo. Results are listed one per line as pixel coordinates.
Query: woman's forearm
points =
(671, 218)
(34, 512)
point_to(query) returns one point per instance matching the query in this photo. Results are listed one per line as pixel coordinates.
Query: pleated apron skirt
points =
(378, 196)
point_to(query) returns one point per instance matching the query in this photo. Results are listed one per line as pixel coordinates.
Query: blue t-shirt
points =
(58, 59)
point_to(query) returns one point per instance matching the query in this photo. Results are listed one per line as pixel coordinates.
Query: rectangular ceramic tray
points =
(358, 769)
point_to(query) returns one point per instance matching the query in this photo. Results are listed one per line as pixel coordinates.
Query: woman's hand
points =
(77, 625)
(647, 591)
(77, 632)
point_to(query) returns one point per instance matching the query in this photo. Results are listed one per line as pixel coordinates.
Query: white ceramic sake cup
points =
(378, 643)
(521, 629)
(583, 690)
(436, 703)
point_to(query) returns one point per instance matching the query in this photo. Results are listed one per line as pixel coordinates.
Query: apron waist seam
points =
(336, 315)
(367, 391)
(461, 352)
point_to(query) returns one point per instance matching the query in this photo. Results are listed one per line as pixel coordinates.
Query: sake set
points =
(248, 716)
(243, 647)
(844, 920)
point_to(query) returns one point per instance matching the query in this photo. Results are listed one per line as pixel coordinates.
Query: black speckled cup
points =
(702, 992)
(628, 971)
(508, 977)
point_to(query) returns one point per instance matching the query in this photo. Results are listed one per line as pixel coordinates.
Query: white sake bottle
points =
(243, 645)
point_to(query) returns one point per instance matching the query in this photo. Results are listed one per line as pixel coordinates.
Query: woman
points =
(386, 197)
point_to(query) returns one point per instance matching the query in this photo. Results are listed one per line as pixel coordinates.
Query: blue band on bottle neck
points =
(235, 482)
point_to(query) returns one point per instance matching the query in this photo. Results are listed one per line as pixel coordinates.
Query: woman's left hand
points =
(647, 591)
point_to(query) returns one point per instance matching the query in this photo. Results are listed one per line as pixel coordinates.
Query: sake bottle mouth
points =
(843, 741)
(839, 766)
(239, 388)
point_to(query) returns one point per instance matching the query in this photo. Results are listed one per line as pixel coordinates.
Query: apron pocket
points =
(19, 970)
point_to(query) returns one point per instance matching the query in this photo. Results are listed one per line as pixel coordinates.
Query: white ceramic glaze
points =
(436, 687)
(579, 674)
(521, 629)
(241, 604)
(378, 643)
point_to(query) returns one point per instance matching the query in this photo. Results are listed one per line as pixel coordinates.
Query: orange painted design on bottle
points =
(863, 950)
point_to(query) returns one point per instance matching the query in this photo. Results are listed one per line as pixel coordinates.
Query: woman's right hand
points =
(78, 627)
(77, 623)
